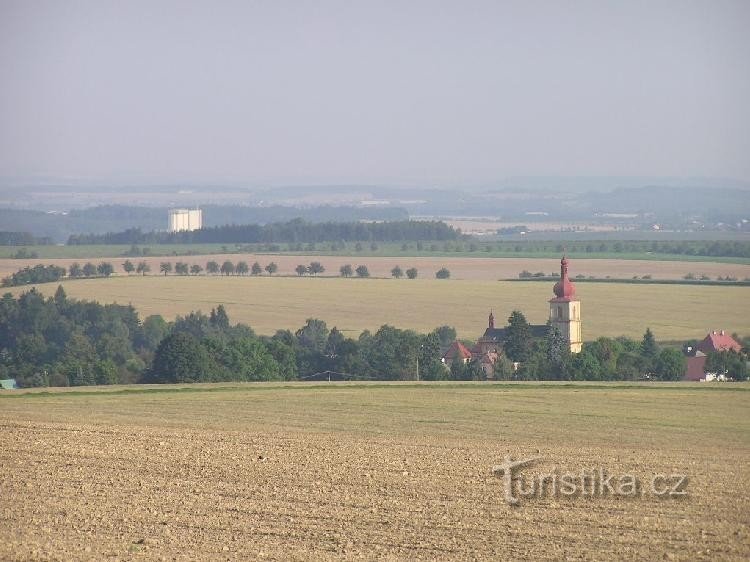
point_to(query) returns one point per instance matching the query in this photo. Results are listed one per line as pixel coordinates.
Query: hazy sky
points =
(397, 92)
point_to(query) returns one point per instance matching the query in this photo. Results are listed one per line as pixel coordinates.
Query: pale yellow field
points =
(479, 268)
(673, 312)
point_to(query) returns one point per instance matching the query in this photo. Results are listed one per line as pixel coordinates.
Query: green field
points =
(85, 252)
(391, 471)
(673, 312)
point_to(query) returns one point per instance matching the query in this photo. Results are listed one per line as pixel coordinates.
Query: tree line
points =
(58, 341)
(295, 231)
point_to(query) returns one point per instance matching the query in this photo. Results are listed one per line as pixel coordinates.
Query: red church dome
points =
(564, 289)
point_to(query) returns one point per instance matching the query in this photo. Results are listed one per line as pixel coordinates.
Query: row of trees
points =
(294, 231)
(37, 274)
(58, 341)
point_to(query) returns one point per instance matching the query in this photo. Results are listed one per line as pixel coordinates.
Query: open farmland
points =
(674, 312)
(298, 471)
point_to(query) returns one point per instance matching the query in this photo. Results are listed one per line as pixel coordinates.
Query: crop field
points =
(384, 250)
(674, 312)
(397, 471)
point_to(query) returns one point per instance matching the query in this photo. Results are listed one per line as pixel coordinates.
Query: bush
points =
(443, 273)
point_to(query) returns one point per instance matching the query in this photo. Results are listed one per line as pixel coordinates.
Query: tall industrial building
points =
(185, 219)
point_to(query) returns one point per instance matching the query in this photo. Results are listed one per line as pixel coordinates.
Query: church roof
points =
(500, 334)
(564, 289)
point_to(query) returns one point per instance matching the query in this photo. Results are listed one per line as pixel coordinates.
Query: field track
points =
(296, 471)
(674, 312)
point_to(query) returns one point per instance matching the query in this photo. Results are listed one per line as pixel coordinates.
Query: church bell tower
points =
(565, 309)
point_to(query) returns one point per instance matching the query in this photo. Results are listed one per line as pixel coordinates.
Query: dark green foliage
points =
(670, 365)
(181, 268)
(346, 270)
(271, 268)
(37, 274)
(442, 273)
(256, 269)
(648, 345)
(411, 273)
(397, 272)
(243, 269)
(518, 340)
(729, 363)
(362, 271)
(105, 269)
(128, 267)
(293, 231)
(179, 358)
(212, 267)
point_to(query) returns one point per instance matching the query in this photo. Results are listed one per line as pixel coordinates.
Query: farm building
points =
(697, 355)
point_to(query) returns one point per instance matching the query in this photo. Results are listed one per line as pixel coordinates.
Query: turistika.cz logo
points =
(595, 482)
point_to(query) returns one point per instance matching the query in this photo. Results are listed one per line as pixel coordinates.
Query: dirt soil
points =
(212, 477)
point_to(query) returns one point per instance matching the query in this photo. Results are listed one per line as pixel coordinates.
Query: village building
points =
(697, 355)
(564, 313)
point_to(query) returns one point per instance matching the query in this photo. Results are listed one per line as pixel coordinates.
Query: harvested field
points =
(479, 268)
(295, 471)
(674, 312)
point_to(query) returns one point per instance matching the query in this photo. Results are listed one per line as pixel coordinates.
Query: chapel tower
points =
(565, 309)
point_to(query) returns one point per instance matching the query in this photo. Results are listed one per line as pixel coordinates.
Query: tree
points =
(256, 269)
(648, 345)
(271, 268)
(89, 270)
(165, 267)
(346, 270)
(242, 268)
(75, 270)
(181, 268)
(227, 268)
(362, 271)
(316, 267)
(219, 318)
(670, 365)
(518, 339)
(128, 267)
(301, 270)
(195, 269)
(105, 269)
(143, 268)
(442, 273)
(411, 273)
(729, 363)
(180, 357)
(397, 272)
(212, 268)
(503, 368)
(60, 296)
(557, 352)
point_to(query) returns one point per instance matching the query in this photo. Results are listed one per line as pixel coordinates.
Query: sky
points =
(373, 92)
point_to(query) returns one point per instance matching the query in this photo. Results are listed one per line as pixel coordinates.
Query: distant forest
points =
(296, 230)
(112, 218)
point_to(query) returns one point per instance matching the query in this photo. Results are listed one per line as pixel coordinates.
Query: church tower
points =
(565, 309)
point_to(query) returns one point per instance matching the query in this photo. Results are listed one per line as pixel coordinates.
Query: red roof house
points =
(718, 341)
(456, 349)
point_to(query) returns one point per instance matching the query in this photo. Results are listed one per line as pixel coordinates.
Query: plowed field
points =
(368, 471)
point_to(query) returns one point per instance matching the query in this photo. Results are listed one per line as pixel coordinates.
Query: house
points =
(697, 355)
(718, 341)
(457, 349)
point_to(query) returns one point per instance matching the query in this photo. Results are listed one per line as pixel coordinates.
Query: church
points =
(564, 313)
